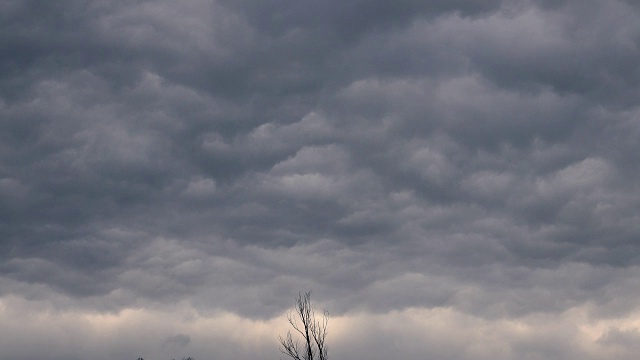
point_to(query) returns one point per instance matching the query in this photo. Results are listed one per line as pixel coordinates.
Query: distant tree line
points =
(184, 358)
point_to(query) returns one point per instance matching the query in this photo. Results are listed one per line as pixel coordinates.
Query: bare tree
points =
(311, 331)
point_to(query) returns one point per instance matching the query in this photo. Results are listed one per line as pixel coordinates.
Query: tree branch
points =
(311, 331)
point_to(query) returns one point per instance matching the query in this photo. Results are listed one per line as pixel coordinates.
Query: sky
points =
(453, 180)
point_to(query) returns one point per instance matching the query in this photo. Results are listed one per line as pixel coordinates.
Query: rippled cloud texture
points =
(453, 180)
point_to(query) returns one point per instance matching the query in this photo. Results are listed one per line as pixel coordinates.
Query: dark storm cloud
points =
(478, 156)
(348, 21)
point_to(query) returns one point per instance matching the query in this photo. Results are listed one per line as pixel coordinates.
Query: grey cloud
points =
(178, 340)
(351, 19)
(389, 156)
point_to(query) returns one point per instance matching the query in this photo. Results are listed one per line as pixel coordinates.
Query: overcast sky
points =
(453, 179)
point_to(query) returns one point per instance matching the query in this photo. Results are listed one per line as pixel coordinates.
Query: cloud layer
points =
(452, 179)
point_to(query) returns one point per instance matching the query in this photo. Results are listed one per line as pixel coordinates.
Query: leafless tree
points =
(312, 332)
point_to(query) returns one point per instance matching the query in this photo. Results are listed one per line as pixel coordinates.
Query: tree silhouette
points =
(311, 331)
